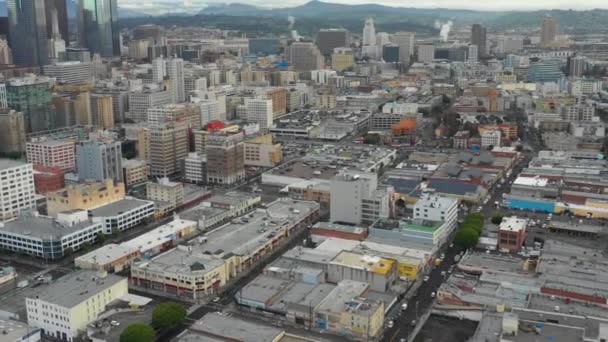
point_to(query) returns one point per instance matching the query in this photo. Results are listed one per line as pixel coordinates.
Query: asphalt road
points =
(421, 302)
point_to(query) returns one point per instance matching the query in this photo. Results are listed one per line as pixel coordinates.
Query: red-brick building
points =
(48, 178)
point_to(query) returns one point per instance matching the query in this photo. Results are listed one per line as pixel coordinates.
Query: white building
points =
(322, 76)
(490, 138)
(195, 167)
(3, 99)
(141, 101)
(70, 72)
(433, 207)
(54, 153)
(400, 108)
(259, 110)
(210, 111)
(369, 32)
(49, 238)
(426, 53)
(473, 54)
(578, 113)
(405, 40)
(356, 199)
(175, 71)
(122, 215)
(17, 190)
(65, 307)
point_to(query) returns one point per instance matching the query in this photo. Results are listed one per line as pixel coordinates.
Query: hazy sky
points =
(184, 5)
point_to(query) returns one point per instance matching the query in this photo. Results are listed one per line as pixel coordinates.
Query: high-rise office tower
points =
(329, 39)
(97, 27)
(32, 96)
(473, 54)
(28, 31)
(304, 56)
(12, 131)
(6, 54)
(148, 31)
(57, 44)
(99, 160)
(369, 32)
(548, 31)
(168, 148)
(102, 111)
(478, 37)
(175, 71)
(426, 53)
(405, 40)
(61, 9)
(577, 66)
(225, 158)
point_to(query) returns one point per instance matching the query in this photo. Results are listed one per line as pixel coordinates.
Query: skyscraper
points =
(369, 32)
(28, 31)
(478, 37)
(175, 71)
(60, 6)
(405, 40)
(97, 27)
(32, 96)
(329, 39)
(473, 54)
(304, 56)
(548, 31)
(57, 44)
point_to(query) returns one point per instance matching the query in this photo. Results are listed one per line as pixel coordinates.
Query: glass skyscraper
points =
(28, 32)
(98, 28)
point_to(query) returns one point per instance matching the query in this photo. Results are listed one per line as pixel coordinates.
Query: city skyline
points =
(169, 6)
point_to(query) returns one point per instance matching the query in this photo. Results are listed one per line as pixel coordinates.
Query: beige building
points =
(187, 113)
(12, 131)
(201, 136)
(84, 196)
(53, 153)
(166, 191)
(279, 101)
(168, 148)
(143, 143)
(102, 111)
(111, 258)
(225, 158)
(327, 100)
(66, 306)
(342, 59)
(134, 172)
(261, 151)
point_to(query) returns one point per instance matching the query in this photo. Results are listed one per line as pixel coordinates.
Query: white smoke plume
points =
(292, 21)
(444, 29)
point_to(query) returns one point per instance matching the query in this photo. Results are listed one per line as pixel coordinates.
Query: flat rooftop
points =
(246, 234)
(364, 262)
(157, 236)
(10, 163)
(42, 227)
(119, 207)
(107, 254)
(216, 326)
(180, 260)
(414, 224)
(76, 287)
(341, 296)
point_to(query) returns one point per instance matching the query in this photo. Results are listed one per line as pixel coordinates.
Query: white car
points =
(433, 294)
(390, 324)
(426, 278)
(216, 299)
(443, 273)
(114, 323)
(404, 306)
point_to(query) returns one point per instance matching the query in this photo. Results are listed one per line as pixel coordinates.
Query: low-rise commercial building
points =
(511, 234)
(166, 191)
(48, 178)
(46, 237)
(52, 153)
(85, 196)
(225, 253)
(380, 273)
(135, 173)
(64, 309)
(110, 258)
(162, 238)
(122, 215)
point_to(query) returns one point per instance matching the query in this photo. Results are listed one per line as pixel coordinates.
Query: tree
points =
(466, 238)
(137, 332)
(168, 315)
(497, 218)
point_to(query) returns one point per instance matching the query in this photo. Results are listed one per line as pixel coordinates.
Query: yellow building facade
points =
(86, 196)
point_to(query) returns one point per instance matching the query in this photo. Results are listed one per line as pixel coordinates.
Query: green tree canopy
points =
(466, 238)
(168, 315)
(497, 218)
(137, 332)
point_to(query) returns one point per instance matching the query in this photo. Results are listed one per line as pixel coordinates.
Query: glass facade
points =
(98, 28)
(28, 34)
